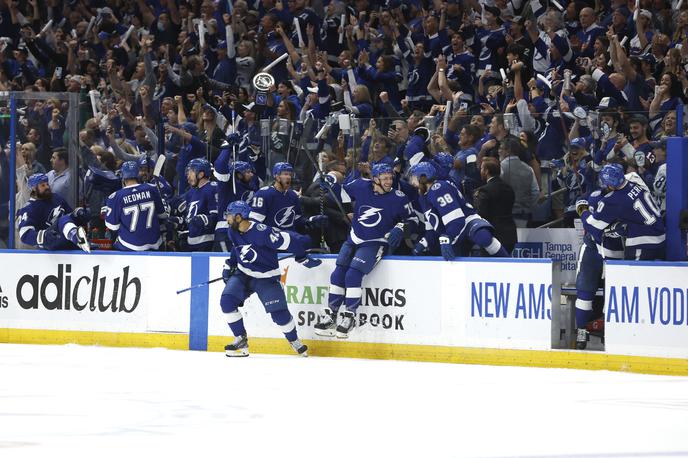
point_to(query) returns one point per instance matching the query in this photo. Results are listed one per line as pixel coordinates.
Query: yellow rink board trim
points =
(334, 348)
(108, 339)
(464, 355)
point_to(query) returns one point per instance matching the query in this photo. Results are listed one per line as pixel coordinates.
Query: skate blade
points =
(237, 353)
(325, 332)
(82, 240)
(342, 335)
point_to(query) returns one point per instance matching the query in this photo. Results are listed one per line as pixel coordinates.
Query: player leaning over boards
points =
(624, 210)
(48, 222)
(253, 268)
(449, 218)
(380, 215)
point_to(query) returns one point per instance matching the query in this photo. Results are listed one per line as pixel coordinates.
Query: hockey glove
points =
(82, 213)
(317, 221)
(326, 182)
(228, 270)
(446, 248)
(198, 222)
(616, 230)
(175, 221)
(308, 262)
(581, 206)
(396, 235)
(233, 139)
(47, 238)
(421, 247)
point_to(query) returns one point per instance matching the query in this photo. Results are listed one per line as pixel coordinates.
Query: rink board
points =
(473, 311)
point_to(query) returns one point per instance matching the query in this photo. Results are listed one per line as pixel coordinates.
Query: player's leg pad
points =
(337, 288)
(483, 238)
(235, 320)
(238, 348)
(352, 297)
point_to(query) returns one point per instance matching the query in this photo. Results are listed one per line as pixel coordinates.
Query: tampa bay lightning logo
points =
(247, 254)
(432, 219)
(370, 216)
(285, 217)
(55, 214)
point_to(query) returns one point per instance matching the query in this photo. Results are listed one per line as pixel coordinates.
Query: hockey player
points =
(48, 222)
(590, 267)
(631, 206)
(253, 268)
(201, 206)
(235, 181)
(134, 212)
(278, 205)
(378, 223)
(146, 166)
(623, 209)
(449, 219)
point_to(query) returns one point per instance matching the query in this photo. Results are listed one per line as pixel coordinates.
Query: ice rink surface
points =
(123, 402)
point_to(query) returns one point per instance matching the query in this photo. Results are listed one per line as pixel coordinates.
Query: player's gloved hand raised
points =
(47, 238)
(198, 222)
(581, 206)
(396, 235)
(446, 248)
(317, 221)
(420, 248)
(82, 213)
(308, 262)
(228, 270)
(326, 182)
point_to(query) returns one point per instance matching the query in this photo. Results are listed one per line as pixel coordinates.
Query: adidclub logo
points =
(65, 291)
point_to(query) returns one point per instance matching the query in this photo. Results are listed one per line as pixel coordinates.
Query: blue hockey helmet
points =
(36, 179)
(282, 167)
(241, 167)
(612, 175)
(443, 160)
(238, 207)
(145, 161)
(421, 169)
(199, 165)
(130, 170)
(379, 169)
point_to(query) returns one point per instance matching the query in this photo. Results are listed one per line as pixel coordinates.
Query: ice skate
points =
(299, 347)
(581, 339)
(326, 324)
(346, 325)
(237, 348)
(81, 240)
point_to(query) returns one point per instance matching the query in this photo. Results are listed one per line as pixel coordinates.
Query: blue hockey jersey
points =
(134, 212)
(254, 252)
(201, 202)
(446, 212)
(633, 205)
(376, 214)
(278, 209)
(38, 215)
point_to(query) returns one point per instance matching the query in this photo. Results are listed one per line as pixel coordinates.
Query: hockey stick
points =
(290, 255)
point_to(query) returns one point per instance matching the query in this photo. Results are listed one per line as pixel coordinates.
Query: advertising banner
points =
(646, 309)
(94, 292)
(557, 244)
(401, 302)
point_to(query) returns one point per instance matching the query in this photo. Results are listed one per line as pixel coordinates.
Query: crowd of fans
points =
(551, 91)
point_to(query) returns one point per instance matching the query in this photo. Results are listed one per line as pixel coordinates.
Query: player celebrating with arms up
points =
(380, 216)
(253, 267)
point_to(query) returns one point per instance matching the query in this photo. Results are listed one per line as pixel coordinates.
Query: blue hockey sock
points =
(284, 320)
(353, 281)
(336, 295)
(583, 308)
(484, 239)
(233, 316)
